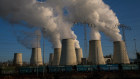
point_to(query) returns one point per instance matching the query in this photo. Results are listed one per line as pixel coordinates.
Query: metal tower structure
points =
(84, 24)
(124, 27)
(43, 51)
(135, 45)
(85, 38)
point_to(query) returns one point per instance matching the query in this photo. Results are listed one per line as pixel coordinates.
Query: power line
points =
(124, 27)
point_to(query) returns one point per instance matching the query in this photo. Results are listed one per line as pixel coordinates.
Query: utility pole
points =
(85, 39)
(135, 45)
(43, 51)
(124, 27)
(43, 56)
(85, 35)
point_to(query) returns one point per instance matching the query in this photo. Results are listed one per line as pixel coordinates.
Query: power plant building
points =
(36, 57)
(84, 61)
(120, 55)
(17, 59)
(79, 55)
(95, 53)
(57, 55)
(68, 54)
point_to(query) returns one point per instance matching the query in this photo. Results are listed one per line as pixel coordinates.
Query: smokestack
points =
(17, 59)
(36, 57)
(79, 55)
(120, 53)
(57, 54)
(51, 58)
(95, 52)
(68, 55)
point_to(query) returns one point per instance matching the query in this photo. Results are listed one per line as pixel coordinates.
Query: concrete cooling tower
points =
(36, 57)
(120, 55)
(51, 58)
(79, 55)
(17, 59)
(95, 53)
(68, 55)
(56, 58)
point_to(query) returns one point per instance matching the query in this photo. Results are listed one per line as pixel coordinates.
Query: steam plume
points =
(76, 41)
(29, 39)
(55, 24)
(94, 12)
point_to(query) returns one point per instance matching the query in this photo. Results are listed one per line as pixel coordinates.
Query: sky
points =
(127, 11)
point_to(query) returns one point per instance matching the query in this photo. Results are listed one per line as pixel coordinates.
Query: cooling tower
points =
(68, 55)
(57, 54)
(51, 58)
(79, 55)
(17, 59)
(95, 53)
(120, 55)
(36, 57)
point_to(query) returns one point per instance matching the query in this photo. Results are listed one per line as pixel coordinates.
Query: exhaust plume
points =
(77, 45)
(55, 18)
(29, 39)
(94, 12)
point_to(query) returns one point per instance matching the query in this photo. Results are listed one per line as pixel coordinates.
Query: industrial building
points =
(36, 57)
(95, 53)
(68, 54)
(17, 59)
(120, 55)
(57, 55)
(79, 55)
(108, 59)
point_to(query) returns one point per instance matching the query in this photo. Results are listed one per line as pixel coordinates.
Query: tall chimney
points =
(79, 55)
(51, 58)
(17, 59)
(68, 55)
(36, 57)
(57, 54)
(120, 53)
(95, 53)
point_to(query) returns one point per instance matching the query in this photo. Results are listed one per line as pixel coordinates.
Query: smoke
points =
(55, 18)
(54, 35)
(29, 39)
(42, 15)
(75, 39)
(30, 11)
(95, 34)
(97, 13)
